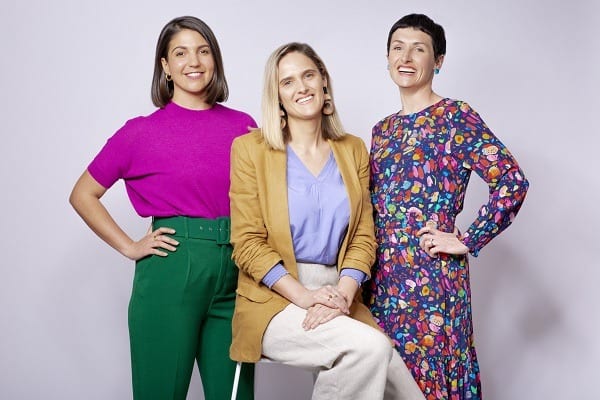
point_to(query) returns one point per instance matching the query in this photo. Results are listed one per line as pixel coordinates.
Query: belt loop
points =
(223, 229)
(186, 227)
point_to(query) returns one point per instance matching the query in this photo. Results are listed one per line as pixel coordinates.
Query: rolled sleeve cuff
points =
(355, 274)
(276, 273)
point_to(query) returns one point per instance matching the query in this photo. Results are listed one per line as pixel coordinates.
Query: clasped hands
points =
(324, 304)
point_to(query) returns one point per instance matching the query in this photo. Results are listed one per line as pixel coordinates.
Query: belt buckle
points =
(223, 228)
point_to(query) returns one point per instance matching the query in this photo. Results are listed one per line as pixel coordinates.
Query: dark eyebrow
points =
(414, 43)
(186, 48)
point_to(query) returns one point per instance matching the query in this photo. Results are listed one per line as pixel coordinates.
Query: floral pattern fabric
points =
(420, 167)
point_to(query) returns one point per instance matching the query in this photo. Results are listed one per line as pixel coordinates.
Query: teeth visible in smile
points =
(304, 99)
(193, 74)
(406, 70)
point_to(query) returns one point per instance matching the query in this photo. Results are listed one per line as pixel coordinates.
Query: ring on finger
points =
(431, 242)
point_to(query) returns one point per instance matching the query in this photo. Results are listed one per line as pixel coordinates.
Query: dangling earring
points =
(328, 103)
(282, 116)
(436, 70)
(167, 80)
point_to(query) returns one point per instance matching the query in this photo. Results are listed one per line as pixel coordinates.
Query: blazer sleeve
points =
(360, 253)
(251, 251)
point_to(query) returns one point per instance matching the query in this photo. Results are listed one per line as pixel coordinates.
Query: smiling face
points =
(191, 65)
(300, 87)
(411, 59)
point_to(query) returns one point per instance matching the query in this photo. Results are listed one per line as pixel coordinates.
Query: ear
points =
(439, 62)
(165, 65)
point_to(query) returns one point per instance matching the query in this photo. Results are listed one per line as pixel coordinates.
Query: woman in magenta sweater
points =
(175, 164)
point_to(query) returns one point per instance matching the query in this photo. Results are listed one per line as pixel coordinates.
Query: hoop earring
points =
(167, 80)
(282, 116)
(328, 103)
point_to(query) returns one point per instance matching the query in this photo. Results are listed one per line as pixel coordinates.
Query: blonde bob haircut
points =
(276, 137)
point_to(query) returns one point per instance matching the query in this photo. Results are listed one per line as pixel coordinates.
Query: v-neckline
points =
(323, 170)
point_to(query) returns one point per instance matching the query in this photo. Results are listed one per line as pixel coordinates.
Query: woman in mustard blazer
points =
(303, 238)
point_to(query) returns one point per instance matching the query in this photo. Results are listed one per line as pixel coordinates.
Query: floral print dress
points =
(420, 168)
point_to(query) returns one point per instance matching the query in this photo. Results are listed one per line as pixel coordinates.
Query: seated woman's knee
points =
(376, 345)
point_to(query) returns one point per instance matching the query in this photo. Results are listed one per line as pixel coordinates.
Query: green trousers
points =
(180, 312)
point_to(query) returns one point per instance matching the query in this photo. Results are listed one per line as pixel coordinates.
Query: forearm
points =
(85, 199)
(505, 200)
(291, 289)
(95, 215)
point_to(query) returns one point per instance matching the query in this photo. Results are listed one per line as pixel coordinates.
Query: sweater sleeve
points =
(113, 160)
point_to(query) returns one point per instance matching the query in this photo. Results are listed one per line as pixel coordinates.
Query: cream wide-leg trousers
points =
(349, 359)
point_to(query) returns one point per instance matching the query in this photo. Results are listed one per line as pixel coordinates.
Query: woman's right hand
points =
(151, 244)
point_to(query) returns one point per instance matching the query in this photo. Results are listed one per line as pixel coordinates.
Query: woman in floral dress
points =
(421, 161)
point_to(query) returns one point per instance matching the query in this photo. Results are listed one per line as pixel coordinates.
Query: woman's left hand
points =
(434, 241)
(318, 315)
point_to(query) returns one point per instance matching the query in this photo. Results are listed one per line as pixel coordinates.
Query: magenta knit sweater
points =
(174, 161)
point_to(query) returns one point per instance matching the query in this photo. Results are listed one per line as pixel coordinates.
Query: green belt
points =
(198, 228)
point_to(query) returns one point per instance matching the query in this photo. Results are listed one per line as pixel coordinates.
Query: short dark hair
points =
(162, 91)
(425, 24)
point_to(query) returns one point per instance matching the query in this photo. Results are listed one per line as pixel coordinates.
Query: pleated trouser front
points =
(180, 312)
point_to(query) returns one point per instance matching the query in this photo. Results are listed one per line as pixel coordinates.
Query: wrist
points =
(127, 250)
(347, 287)
(300, 297)
(461, 241)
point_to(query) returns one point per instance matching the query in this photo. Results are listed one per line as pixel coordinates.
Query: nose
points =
(302, 87)
(406, 56)
(193, 59)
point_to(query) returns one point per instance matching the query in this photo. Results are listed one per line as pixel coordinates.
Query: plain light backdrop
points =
(73, 72)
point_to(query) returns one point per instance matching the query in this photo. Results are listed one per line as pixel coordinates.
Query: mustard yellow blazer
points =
(261, 234)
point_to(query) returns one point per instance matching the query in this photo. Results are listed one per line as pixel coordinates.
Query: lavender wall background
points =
(73, 72)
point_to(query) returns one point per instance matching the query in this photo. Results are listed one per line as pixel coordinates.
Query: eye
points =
(397, 48)
(178, 53)
(420, 50)
(205, 51)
